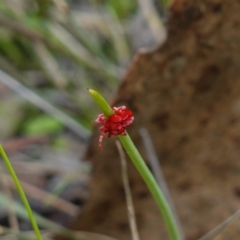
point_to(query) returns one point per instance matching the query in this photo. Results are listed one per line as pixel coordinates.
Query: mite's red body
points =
(115, 124)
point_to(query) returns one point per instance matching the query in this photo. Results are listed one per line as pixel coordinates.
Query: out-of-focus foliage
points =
(63, 47)
(60, 48)
(123, 8)
(43, 124)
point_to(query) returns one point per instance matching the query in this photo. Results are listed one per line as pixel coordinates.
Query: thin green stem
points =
(143, 170)
(152, 186)
(102, 103)
(21, 193)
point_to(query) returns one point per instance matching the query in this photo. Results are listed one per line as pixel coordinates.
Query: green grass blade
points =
(143, 171)
(21, 193)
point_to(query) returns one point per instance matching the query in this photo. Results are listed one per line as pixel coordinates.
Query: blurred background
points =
(50, 53)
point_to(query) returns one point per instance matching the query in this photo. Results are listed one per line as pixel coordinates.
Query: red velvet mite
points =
(115, 124)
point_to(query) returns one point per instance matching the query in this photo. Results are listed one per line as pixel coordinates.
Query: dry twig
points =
(221, 227)
(130, 206)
